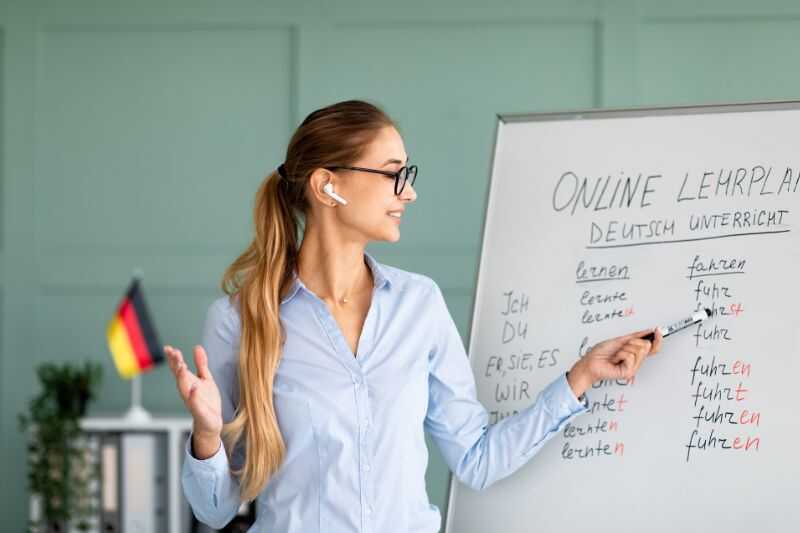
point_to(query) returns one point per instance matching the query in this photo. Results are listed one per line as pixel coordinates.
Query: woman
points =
(330, 365)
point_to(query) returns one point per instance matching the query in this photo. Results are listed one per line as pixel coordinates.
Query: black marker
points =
(681, 324)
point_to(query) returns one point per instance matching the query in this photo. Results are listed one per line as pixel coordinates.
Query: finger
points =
(201, 362)
(646, 351)
(638, 334)
(617, 342)
(176, 354)
(641, 351)
(171, 361)
(639, 344)
(641, 355)
(184, 379)
(175, 361)
(639, 347)
(626, 364)
(611, 345)
(192, 400)
(657, 342)
(621, 354)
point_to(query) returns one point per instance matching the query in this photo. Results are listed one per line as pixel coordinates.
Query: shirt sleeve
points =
(208, 485)
(476, 452)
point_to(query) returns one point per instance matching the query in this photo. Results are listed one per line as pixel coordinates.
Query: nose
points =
(408, 193)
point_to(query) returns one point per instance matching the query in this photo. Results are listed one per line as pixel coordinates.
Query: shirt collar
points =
(380, 276)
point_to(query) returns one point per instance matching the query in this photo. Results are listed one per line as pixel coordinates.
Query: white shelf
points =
(175, 428)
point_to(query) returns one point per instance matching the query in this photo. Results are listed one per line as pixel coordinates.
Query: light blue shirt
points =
(354, 426)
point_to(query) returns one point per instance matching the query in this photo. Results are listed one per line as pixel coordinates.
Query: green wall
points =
(134, 134)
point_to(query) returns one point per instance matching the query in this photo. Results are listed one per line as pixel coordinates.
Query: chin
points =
(392, 236)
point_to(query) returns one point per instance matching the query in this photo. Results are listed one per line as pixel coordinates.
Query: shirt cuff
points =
(560, 399)
(216, 463)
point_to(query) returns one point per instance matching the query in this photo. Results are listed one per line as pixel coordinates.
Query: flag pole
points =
(137, 413)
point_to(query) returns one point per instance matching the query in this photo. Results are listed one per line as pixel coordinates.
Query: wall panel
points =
(138, 128)
(718, 59)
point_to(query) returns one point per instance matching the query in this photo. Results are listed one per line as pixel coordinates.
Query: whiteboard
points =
(604, 222)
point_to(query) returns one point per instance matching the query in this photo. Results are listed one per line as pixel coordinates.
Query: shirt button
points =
(366, 468)
(369, 509)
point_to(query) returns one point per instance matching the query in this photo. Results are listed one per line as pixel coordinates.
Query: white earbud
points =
(328, 189)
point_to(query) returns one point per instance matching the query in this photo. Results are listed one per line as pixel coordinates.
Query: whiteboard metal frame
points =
(626, 112)
(618, 112)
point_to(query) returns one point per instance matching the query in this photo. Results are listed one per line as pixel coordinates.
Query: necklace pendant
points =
(344, 300)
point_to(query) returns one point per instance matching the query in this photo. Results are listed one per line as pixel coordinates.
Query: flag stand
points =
(137, 413)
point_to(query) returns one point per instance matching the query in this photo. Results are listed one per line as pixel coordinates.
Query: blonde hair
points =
(261, 275)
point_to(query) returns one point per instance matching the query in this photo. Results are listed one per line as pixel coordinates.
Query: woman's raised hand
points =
(199, 392)
(617, 358)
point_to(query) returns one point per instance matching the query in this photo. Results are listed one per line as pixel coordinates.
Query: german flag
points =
(132, 337)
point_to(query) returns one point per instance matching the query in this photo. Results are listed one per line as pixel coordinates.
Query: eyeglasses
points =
(400, 177)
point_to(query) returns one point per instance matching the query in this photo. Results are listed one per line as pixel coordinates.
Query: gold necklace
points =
(343, 300)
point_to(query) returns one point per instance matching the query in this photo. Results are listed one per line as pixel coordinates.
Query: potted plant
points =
(60, 470)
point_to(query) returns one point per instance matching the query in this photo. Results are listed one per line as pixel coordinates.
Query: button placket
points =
(363, 413)
(358, 387)
(356, 366)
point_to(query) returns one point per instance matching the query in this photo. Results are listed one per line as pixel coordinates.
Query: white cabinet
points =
(140, 462)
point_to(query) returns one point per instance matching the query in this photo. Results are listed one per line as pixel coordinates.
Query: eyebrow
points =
(393, 161)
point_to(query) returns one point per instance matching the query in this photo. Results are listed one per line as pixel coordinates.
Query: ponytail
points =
(252, 276)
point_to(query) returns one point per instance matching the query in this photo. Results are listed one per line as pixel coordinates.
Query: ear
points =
(319, 177)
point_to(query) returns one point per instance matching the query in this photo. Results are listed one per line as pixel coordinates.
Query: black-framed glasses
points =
(400, 177)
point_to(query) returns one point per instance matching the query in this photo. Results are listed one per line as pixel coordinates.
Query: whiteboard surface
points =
(533, 249)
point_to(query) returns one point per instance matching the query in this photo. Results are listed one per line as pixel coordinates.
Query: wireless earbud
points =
(328, 189)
